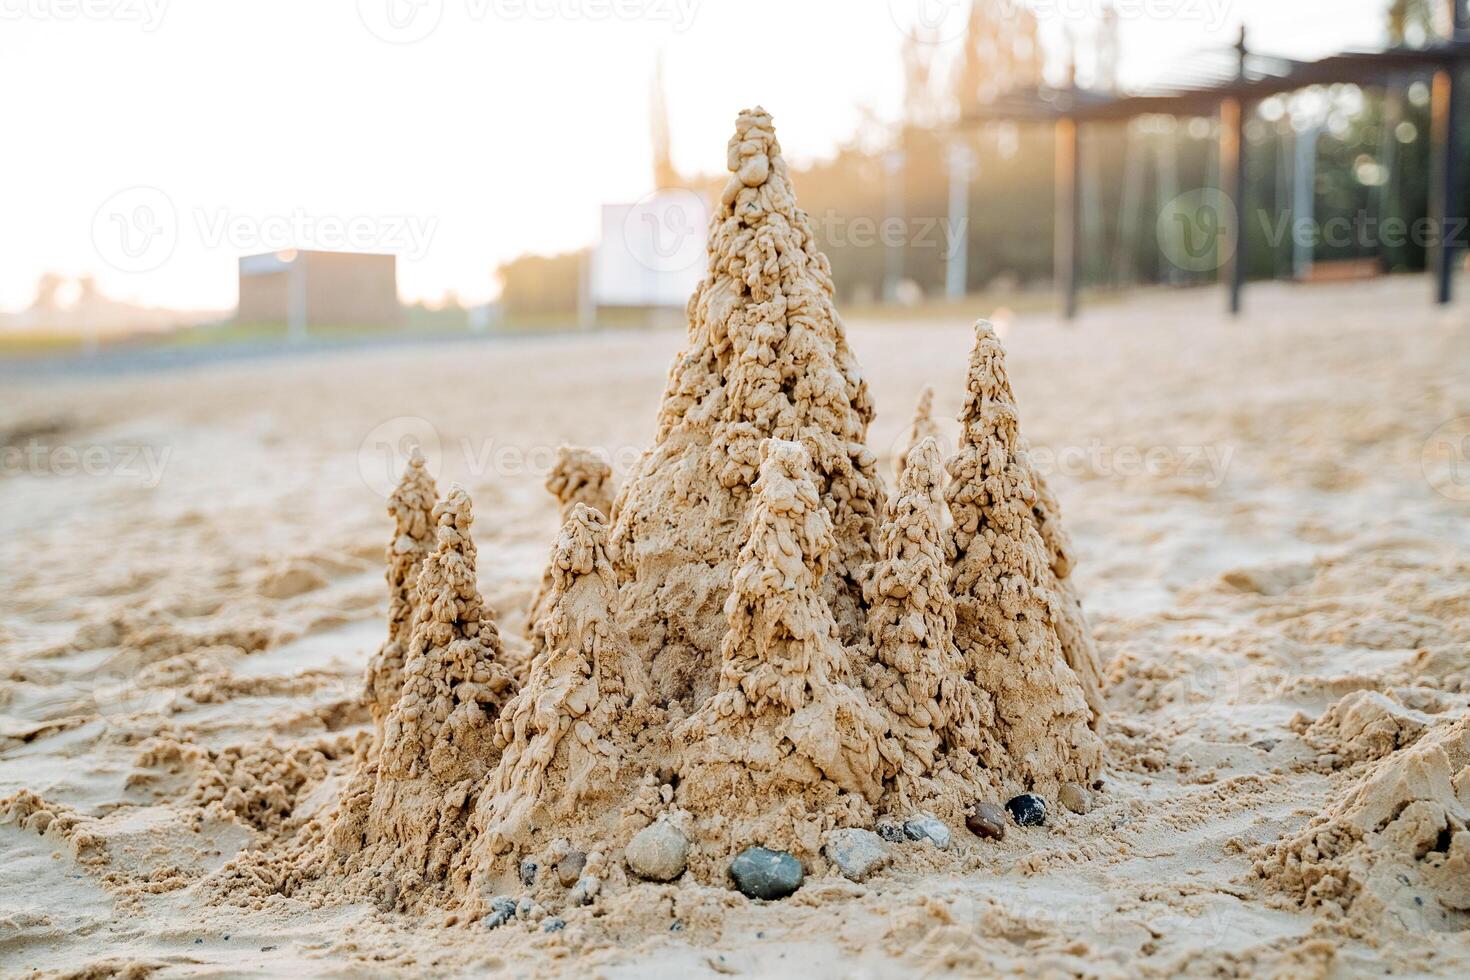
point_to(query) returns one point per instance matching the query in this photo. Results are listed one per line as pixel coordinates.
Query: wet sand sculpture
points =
(756, 646)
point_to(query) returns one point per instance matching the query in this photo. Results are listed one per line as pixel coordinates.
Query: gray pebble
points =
(569, 868)
(762, 873)
(585, 890)
(528, 873)
(927, 827)
(554, 924)
(658, 852)
(857, 853)
(502, 910)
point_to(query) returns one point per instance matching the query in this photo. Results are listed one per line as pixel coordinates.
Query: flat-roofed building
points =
(304, 288)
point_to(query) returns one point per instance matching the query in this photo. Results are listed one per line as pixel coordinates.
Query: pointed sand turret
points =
(580, 476)
(438, 740)
(767, 357)
(789, 744)
(1006, 603)
(567, 738)
(939, 717)
(411, 506)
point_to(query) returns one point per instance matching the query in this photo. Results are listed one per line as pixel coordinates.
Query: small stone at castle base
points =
(1075, 798)
(585, 890)
(502, 910)
(988, 821)
(569, 868)
(926, 827)
(1028, 810)
(891, 830)
(765, 874)
(857, 853)
(658, 852)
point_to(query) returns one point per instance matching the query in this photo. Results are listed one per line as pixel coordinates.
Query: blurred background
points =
(210, 175)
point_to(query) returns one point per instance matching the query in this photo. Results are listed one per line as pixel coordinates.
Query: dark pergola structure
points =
(1230, 97)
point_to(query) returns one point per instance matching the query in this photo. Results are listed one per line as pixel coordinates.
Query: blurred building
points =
(301, 288)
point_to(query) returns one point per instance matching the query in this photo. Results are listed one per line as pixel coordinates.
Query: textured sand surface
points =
(1268, 544)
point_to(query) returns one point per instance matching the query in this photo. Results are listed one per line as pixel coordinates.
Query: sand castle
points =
(753, 644)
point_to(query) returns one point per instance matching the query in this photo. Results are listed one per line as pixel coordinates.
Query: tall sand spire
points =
(438, 739)
(922, 427)
(580, 476)
(939, 718)
(788, 744)
(766, 357)
(568, 735)
(1006, 603)
(411, 505)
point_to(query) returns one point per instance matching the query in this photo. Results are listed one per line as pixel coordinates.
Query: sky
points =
(150, 143)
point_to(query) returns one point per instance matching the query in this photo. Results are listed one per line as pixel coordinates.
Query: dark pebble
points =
(987, 821)
(676, 926)
(502, 910)
(554, 924)
(762, 873)
(528, 873)
(1028, 810)
(891, 831)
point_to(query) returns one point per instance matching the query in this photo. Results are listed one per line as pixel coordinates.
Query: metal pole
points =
(1304, 200)
(1233, 144)
(1233, 184)
(1068, 198)
(893, 163)
(1446, 205)
(961, 163)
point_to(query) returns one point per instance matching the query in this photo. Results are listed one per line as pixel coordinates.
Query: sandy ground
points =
(1270, 515)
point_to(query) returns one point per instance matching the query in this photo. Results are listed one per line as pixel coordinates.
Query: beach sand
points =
(1270, 518)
